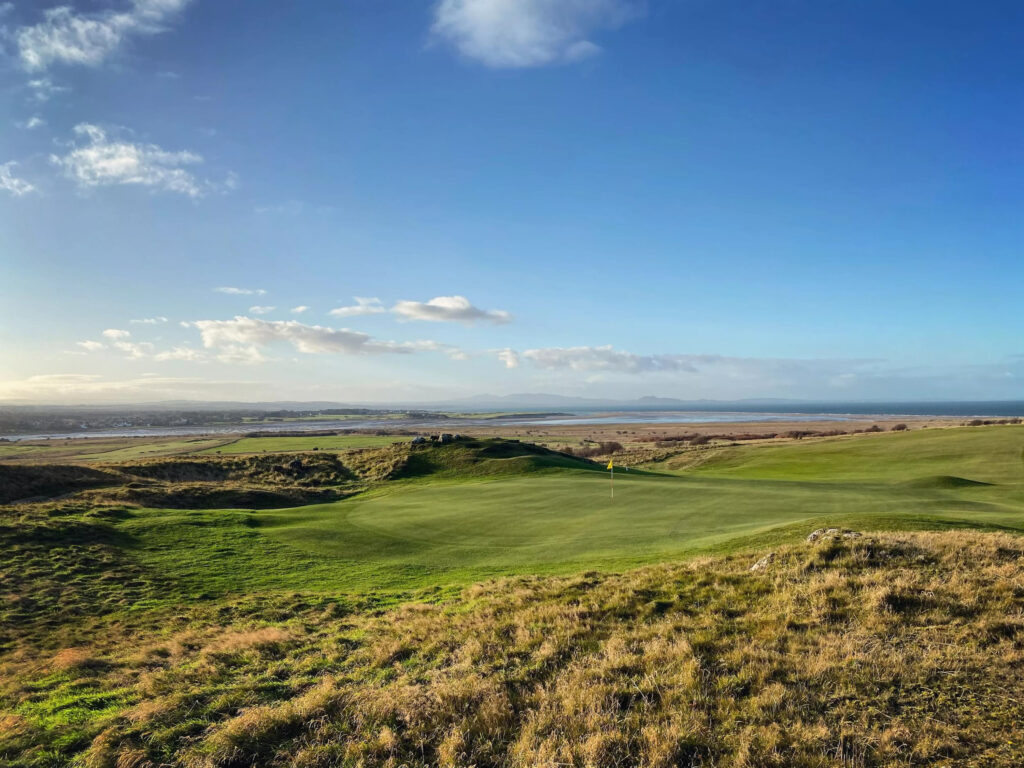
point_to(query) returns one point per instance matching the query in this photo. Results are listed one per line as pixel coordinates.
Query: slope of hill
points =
(356, 632)
(878, 650)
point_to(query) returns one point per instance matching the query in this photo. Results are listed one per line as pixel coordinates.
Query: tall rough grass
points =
(886, 650)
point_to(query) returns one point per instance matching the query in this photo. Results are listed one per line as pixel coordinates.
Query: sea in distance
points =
(785, 411)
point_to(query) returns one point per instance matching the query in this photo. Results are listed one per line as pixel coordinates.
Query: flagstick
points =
(611, 481)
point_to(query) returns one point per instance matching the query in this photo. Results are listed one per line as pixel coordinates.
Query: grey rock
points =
(764, 562)
(833, 533)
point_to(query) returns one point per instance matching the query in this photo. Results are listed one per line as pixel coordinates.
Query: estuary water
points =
(792, 412)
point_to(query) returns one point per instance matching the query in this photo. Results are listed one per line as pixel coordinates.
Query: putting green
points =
(490, 516)
(569, 518)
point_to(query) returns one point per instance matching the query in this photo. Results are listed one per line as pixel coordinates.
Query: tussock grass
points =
(893, 649)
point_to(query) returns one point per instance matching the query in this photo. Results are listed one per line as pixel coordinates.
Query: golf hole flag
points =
(611, 477)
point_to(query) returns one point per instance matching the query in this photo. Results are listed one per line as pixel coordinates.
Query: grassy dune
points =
(983, 454)
(356, 632)
(885, 650)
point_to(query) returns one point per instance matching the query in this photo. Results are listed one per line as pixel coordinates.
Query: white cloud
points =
(450, 350)
(67, 37)
(258, 310)
(527, 33)
(509, 357)
(363, 306)
(311, 339)
(449, 309)
(607, 358)
(299, 310)
(12, 184)
(43, 89)
(180, 353)
(150, 321)
(119, 340)
(241, 354)
(32, 123)
(134, 350)
(241, 291)
(243, 338)
(107, 162)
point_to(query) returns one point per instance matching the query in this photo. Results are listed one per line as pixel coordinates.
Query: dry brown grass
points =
(74, 658)
(888, 650)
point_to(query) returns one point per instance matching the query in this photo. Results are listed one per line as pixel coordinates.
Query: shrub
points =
(597, 449)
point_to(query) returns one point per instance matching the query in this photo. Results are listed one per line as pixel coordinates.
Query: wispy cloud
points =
(261, 310)
(32, 123)
(527, 33)
(231, 290)
(150, 321)
(65, 36)
(719, 372)
(180, 353)
(12, 184)
(104, 161)
(135, 350)
(119, 340)
(606, 358)
(363, 306)
(299, 309)
(247, 335)
(449, 309)
(43, 89)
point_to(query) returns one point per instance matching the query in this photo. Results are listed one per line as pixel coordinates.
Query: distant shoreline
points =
(581, 418)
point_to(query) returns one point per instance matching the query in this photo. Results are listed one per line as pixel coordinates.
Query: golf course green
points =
(513, 515)
(496, 584)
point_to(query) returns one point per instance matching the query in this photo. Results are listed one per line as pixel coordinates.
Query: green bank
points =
(464, 518)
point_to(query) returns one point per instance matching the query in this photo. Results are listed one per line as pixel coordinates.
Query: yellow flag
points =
(610, 464)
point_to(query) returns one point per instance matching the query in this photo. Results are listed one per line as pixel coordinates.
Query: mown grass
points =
(985, 454)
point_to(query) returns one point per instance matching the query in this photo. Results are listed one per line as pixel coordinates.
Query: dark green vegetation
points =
(213, 611)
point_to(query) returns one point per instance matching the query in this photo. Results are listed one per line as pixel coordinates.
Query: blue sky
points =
(699, 199)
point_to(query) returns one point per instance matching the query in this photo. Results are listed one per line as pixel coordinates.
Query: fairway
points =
(482, 509)
(450, 530)
(569, 520)
(980, 454)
